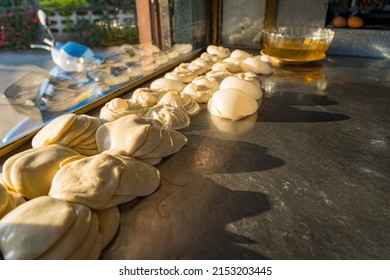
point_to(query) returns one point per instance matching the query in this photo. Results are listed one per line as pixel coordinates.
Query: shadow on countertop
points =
(279, 107)
(191, 216)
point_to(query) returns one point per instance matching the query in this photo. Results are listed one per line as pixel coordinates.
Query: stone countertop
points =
(306, 178)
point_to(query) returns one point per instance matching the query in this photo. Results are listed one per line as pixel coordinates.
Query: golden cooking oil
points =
(296, 49)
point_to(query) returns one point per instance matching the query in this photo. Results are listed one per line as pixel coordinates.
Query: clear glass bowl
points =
(297, 43)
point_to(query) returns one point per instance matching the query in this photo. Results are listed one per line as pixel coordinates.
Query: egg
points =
(355, 22)
(339, 22)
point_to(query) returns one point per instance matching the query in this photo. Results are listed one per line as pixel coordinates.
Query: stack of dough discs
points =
(232, 104)
(103, 181)
(7, 201)
(109, 220)
(75, 236)
(140, 138)
(47, 228)
(70, 130)
(30, 172)
(118, 107)
(170, 117)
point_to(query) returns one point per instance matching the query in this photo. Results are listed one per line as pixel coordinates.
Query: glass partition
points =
(242, 24)
(75, 55)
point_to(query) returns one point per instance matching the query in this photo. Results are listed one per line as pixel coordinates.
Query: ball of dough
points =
(227, 66)
(218, 50)
(240, 54)
(212, 58)
(245, 83)
(181, 74)
(204, 64)
(209, 82)
(200, 93)
(176, 100)
(232, 104)
(167, 84)
(170, 117)
(256, 65)
(147, 97)
(191, 67)
(219, 75)
(118, 107)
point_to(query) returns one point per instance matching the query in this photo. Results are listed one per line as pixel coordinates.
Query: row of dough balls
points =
(176, 97)
(99, 163)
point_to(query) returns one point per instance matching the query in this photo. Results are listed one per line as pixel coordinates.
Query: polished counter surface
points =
(306, 178)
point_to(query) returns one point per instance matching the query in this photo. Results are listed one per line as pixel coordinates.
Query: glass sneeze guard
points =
(76, 75)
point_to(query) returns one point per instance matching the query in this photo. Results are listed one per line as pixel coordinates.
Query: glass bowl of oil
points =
(297, 44)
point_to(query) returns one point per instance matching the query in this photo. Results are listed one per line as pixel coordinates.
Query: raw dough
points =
(232, 104)
(218, 50)
(7, 202)
(122, 136)
(32, 228)
(118, 107)
(147, 97)
(85, 248)
(170, 117)
(53, 131)
(227, 66)
(257, 65)
(33, 170)
(94, 181)
(181, 74)
(74, 237)
(79, 131)
(200, 93)
(167, 84)
(244, 82)
(108, 223)
(91, 181)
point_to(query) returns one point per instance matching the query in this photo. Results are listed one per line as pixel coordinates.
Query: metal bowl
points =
(297, 43)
